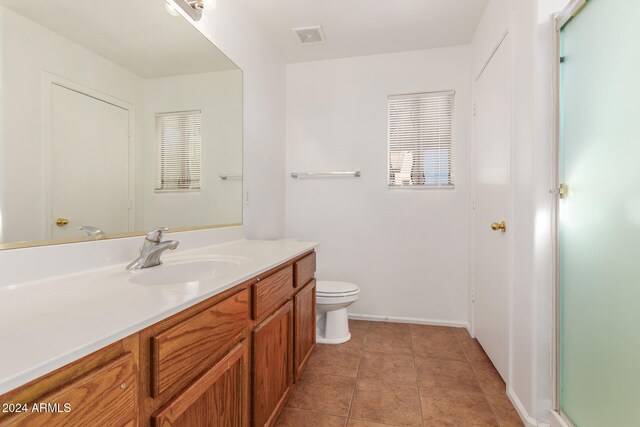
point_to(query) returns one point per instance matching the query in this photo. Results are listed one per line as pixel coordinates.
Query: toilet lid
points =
(330, 288)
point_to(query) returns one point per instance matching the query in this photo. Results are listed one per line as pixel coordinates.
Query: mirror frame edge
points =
(85, 239)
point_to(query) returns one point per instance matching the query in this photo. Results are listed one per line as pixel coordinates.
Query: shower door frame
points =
(558, 418)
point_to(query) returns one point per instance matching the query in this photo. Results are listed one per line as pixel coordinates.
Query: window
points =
(178, 137)
(421, 140)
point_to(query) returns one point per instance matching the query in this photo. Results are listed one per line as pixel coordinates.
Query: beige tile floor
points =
(394, 374)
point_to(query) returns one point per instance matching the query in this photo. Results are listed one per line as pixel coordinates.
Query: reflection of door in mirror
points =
(90, 164)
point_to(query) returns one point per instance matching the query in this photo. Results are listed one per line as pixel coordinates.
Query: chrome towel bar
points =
(349, 174)
(225, 176)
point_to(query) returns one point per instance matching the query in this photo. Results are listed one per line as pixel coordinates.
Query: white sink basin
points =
(175, 272)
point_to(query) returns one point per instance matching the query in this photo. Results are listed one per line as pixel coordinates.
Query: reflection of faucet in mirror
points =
(93, 232)
(152, 250)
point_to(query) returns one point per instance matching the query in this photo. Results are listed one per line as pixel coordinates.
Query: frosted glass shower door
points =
(599, 219)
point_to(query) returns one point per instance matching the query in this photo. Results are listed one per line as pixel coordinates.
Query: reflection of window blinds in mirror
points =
(179, 140)
(421, 140)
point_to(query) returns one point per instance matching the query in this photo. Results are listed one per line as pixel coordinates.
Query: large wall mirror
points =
(116, 117)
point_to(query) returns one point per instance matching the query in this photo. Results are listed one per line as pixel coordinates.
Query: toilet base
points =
(332, 327)
(333, 341)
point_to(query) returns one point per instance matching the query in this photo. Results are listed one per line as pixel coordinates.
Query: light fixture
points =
(203, 4)
(193, 8)
(171, 9)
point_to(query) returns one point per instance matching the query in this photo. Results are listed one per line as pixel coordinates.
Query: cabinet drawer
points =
(272, 292)
(182, 352)
(304, 270)
(105, 396)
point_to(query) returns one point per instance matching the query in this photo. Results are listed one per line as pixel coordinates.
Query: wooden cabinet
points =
(217, 398)
(305, 326)
(105, 396)
(272, 365)
(230, 360)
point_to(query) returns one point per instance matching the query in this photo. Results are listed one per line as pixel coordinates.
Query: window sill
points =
(421, 187)
(177, 191)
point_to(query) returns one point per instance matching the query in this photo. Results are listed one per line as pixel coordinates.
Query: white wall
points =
(407, 249)
(219, 97)
(27, 50)
(235, 33)
(530, 333)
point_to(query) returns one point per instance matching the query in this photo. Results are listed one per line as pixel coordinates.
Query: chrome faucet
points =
(152, 250)
(94, 233)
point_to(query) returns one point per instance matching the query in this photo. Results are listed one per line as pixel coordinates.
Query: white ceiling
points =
(138, 35)
(366, 27)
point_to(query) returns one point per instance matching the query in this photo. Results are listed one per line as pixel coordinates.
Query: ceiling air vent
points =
(309, 35)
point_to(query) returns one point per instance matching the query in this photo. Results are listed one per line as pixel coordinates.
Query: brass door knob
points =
(502, 226)
(61, 222)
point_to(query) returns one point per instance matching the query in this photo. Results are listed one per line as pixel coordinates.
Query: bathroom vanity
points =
(229, 359)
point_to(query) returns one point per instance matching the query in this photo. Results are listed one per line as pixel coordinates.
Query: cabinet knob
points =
(123, 386)
(258, 279)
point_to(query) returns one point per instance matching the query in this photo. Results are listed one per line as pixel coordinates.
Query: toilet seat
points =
(331, 289)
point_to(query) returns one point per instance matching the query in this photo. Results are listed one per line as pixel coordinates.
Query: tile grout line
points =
(366, 332)
(372, 421)
(355, 385)
(484, 394)
(418, 378)
(306, 411)
(415, 369)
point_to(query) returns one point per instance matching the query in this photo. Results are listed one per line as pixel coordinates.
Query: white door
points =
(90, 164)
(492, 201)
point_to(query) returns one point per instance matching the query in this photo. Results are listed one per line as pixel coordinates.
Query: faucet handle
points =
(155, 236)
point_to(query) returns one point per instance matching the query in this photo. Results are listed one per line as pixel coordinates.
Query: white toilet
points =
(332, 300)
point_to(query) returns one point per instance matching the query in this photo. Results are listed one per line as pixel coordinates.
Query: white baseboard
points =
(558, 421)
(416, 320)
(527, 419)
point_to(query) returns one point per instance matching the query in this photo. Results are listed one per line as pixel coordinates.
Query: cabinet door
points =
(305, 326)
(272, 365)
(105, 396)
(217, 398)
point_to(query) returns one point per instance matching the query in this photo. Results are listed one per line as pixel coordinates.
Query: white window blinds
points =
(421, 140)
(179, 141)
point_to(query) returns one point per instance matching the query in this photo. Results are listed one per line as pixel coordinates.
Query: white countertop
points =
(47, 324)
